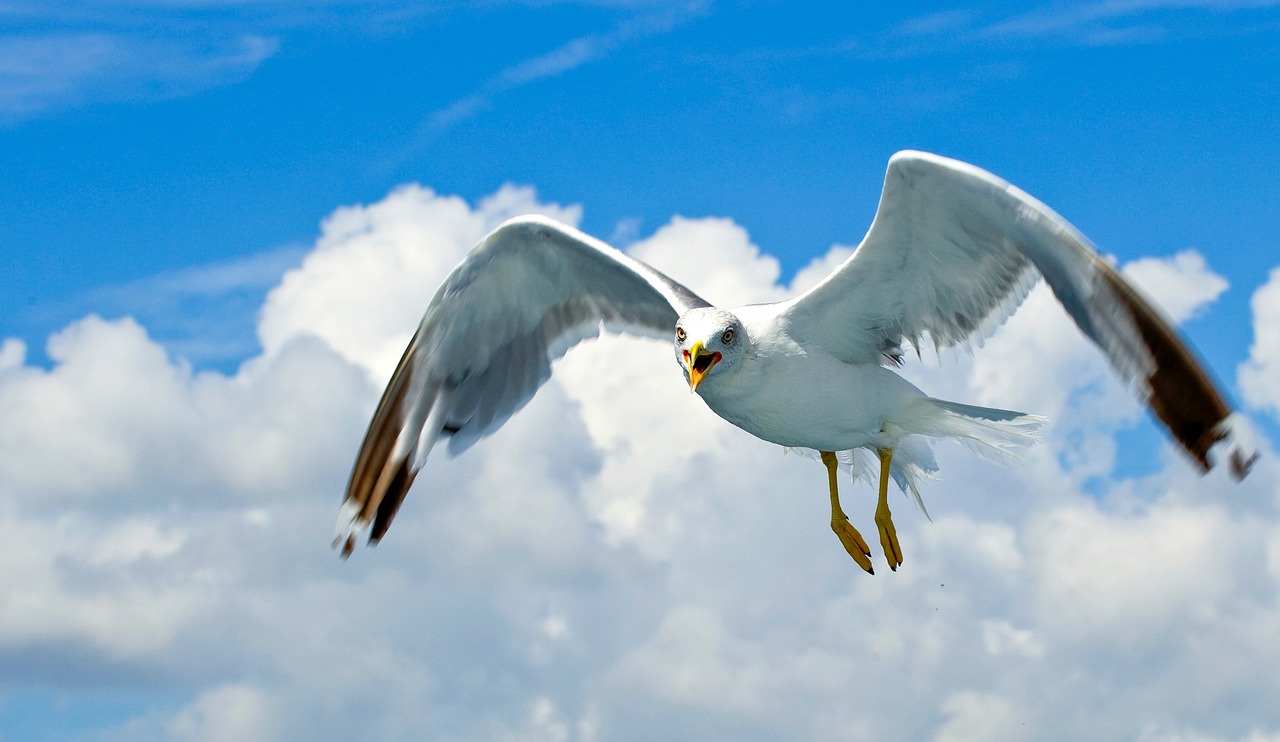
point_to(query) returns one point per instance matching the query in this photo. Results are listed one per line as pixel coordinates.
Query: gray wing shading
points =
(953, 250)
(521, 298)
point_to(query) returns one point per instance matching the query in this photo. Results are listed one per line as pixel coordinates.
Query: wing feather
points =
(953, 250)
(527, 293)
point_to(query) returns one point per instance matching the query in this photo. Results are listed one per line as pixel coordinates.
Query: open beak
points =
(699, 362)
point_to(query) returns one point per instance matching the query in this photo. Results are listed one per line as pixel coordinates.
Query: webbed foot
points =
(844, 530)
(884, 519)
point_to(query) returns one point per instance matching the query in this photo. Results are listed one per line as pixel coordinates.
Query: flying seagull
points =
(952, 251)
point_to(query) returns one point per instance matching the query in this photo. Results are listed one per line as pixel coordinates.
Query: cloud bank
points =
(645, 572)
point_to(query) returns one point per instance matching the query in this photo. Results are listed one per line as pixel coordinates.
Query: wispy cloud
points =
(1103, 23)
(205, 313)
(944, 21)
(62, 53)
(41, 72)
(564, 58)
(58, 54)
(1089, 21)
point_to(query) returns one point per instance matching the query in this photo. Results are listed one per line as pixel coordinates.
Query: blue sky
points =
(167, 166)
(185, 133)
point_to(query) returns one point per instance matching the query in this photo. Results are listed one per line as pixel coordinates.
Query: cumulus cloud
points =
(115, 409)
(646, 572)
(979, 716)
(694, 252)
(1182, 285)
(364, 286)
(1260, 375)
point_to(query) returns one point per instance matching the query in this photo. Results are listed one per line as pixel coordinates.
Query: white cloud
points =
(1181, 285)
(1110, 579)
(980, 716)
(818, 268)
(231, 713)
(1260, 375)
(695, 251)
(374, 268)
(75, 430)
(115, 410)
(13, 353)
(694, 661)
(97, 582)
(1000, 637)
(644, 572)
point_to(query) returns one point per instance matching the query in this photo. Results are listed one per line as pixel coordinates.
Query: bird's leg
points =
(849, 536)
(884, 520)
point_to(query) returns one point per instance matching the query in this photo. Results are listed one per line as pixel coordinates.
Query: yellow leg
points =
(884, 520)
(849, 536)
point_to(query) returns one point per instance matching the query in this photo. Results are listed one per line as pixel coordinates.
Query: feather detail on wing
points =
(953, 250)
(528, 292)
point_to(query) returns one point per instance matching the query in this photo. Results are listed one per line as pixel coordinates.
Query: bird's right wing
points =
(952, 252)
(522, 297)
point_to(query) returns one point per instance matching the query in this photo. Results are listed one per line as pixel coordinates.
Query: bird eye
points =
(727, 337)
(680, 336)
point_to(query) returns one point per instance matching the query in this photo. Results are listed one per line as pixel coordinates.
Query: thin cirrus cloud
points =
(204, 313)
(1110, 22)
(40, 72)
(564, 58)
(1074, 18)
(648, 572)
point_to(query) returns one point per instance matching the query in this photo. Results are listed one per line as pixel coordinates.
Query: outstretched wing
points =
(527, 293)
(953, 250)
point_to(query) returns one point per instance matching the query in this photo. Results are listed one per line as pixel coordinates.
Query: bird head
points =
(707, 339)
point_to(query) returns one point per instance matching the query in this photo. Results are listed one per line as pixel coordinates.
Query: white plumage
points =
(951, 253)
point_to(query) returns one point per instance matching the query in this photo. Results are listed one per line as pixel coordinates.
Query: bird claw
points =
(889, 539)
(853, 542)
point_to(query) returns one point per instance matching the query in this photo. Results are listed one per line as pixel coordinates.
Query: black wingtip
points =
(1242, 465)
(1234, 435)
(391, 500)
(1181, 393)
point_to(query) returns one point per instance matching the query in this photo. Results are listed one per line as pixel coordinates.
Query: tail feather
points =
(998, 435)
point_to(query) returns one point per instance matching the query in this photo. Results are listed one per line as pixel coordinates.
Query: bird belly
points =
(830, 406)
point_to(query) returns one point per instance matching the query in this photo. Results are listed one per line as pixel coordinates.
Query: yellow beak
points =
(699, 362)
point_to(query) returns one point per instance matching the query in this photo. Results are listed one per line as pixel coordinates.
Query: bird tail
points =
(998, 435)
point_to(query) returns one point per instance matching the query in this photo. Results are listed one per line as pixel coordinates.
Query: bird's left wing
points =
(529, 291)
(953, 250)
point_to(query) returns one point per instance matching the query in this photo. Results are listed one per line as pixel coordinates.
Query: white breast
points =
(805, 398)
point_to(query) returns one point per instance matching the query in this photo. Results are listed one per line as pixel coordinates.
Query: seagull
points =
(951, 253)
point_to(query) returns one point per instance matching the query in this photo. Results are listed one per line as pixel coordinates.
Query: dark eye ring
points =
(680, 334)
(727, 337)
